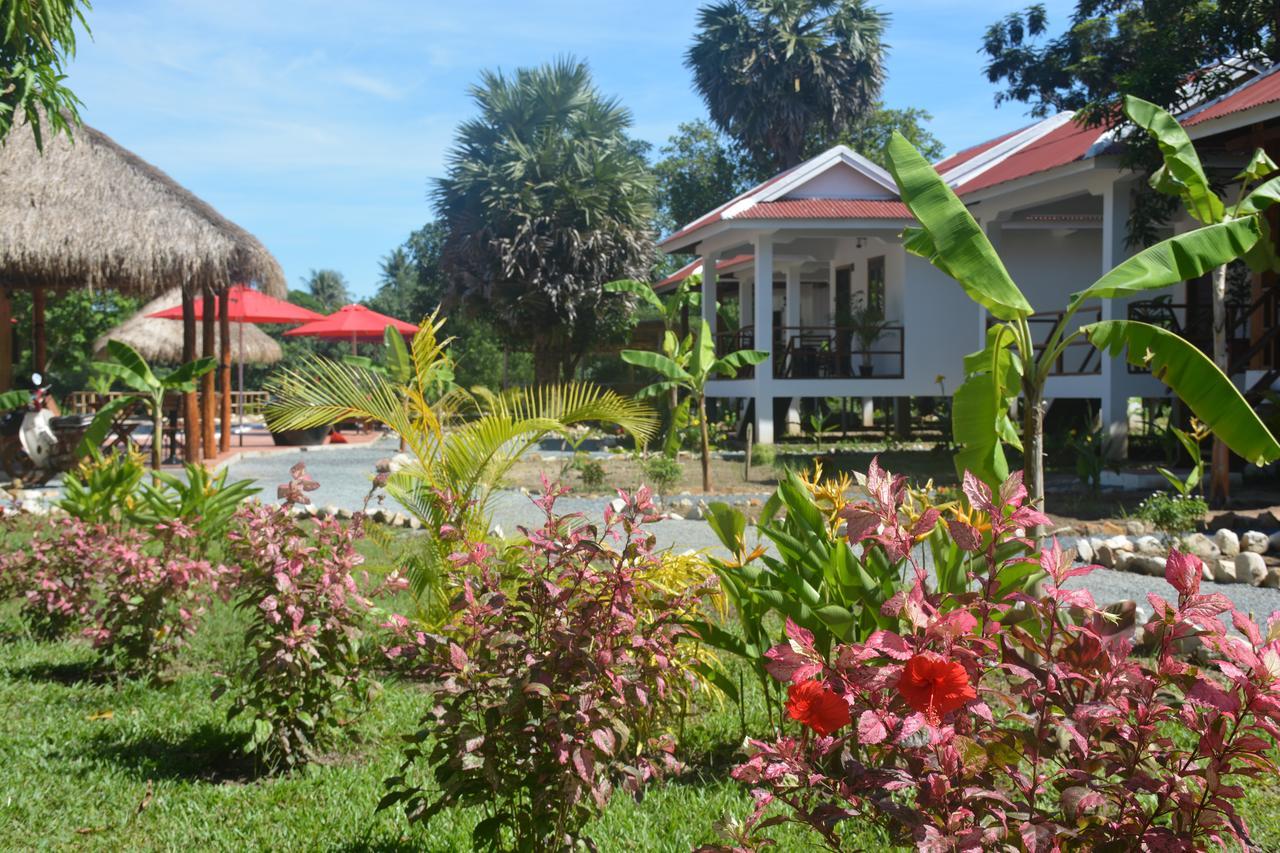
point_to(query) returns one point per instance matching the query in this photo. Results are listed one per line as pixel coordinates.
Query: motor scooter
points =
(37, 442)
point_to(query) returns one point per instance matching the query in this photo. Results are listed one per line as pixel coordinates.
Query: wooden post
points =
(190, 406)
(224, 366)
(6, 340)
(208, 391)
(40, 359)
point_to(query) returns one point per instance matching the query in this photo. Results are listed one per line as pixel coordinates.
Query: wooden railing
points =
(251, 403)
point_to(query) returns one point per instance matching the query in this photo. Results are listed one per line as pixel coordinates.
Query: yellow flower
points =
(828, 494)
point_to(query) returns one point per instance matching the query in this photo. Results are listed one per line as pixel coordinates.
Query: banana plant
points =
(701, 367)
(461, 444)
(125, 365)
(950, 239)
(1183, 177)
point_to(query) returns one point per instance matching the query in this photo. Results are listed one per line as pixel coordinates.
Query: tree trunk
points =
(1033, 446)
(208, 386)
(157, 433)
(706, 443)
(546, 363)
(190, 406)
(1220, 463)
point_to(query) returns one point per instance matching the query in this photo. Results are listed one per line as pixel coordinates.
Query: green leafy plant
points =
(1089, 449)
(1182, 176)
(1173, 514)
(37, 38)
(1190, 442)
(817, 422)
(104, 489)
(663, 472)
(700, 367)
(1011, 362)
(131, 369)
(867, 323)
(202, 501)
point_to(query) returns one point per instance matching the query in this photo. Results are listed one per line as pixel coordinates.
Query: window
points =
(875, 284)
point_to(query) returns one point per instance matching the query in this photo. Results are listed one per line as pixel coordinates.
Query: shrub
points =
(132, 593)
(145, 605)
(764, 455)
(308, 640)
(1170, 513)
(592, 473)
(549, 686)
(1003, 720)
(103, 489)
(663, 471)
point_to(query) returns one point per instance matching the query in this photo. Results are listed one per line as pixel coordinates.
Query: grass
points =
(90, 764)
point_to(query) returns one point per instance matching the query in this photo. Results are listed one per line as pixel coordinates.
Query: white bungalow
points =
(1054, 200)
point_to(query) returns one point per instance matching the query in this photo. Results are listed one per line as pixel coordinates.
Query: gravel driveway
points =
(344, 474)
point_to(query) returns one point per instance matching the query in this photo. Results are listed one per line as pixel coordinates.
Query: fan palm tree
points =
(774, 73)
(545, 199)
(461, 443)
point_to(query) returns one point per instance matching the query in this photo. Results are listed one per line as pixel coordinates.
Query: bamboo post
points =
(40, 357)
(224, 366)
(190, 406)
(208, 391)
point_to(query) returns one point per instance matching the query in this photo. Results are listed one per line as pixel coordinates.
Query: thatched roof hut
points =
(88, 213)
(161, 340)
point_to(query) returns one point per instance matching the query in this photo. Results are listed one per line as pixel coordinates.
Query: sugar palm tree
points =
(545, 199)
(461, 443)
(774, 73)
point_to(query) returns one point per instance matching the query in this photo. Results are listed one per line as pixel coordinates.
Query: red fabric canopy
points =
(353, 322)
(246, 305)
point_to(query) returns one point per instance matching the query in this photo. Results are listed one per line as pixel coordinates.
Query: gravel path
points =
(344, 476)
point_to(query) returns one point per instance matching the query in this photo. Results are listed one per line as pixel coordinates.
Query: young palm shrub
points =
(461, 443)
(690, 367)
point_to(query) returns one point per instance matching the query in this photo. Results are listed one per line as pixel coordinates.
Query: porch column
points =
(792, 323)
(831, 293)
(764, 338)
(709, 290)
(1115, 400)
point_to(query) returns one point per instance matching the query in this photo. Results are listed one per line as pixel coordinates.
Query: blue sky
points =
(318, 124)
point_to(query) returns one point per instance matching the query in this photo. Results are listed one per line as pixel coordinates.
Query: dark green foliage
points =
(73, 319)
(662, 472)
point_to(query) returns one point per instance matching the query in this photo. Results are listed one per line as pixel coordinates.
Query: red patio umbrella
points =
(246, 305)
(354, 323)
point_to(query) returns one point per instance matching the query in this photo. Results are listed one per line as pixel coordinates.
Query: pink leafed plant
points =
(1010, 720)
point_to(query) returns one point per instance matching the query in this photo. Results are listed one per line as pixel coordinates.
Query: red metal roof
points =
(687, 270)
(1255, 93)
(962, 157)
(1060, 146)
(717, 214)
(826, 208)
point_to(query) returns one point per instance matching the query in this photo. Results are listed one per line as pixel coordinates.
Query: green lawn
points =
(88, 764)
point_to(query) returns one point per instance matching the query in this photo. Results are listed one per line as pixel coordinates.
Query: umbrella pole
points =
(240, 371)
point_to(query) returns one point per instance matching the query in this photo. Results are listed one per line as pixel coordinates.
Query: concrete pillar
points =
(709, 290)
(1115, 402)
(831, 293)
(764, 337)
(868, 412)
(792, 322)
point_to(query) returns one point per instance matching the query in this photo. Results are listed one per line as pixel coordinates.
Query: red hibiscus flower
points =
(817, 706)
(934, 686)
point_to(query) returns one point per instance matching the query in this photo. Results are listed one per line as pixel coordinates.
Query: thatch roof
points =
(89, 213)
(161, 340)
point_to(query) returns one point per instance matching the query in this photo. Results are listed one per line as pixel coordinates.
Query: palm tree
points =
(462, 443)
(545, 199)
(329, 287)
(775, 73)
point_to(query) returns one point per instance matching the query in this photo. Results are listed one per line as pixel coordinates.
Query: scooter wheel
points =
(17, 464)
